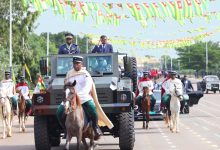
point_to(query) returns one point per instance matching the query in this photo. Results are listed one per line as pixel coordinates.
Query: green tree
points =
(194, 56)
(22, 24)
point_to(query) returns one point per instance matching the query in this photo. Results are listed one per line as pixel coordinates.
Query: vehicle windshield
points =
(98, 64)
(212, 79)
(64, 64)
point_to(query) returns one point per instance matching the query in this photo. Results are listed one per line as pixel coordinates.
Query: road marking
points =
(218, 135)
(207, 113)
(216, 146)
(209, 142)
(214, 104)
(211, 108)
(205, 128)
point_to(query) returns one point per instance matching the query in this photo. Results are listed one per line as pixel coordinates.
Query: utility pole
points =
(171, 63)
(48, 45)
(87, 45)
(207, 59)
(76, 40)
(165, 62)
(10, 37)
(179, 65)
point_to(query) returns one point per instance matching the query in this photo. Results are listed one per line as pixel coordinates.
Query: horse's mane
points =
(75, 102)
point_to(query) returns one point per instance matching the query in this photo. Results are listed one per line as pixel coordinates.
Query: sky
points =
(168, 30)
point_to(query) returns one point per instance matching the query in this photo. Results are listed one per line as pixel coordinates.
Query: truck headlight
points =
(124, 97)
(40, 99)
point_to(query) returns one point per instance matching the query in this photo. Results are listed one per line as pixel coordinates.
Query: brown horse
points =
(145, 106)
(75, 126)
(21, 112)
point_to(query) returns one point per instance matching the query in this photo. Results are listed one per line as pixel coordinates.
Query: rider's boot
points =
(96, 129)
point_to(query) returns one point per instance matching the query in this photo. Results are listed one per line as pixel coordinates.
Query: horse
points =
(6, 114)
(145, 107)
(75, 125)
(21, 112)
(175, 108)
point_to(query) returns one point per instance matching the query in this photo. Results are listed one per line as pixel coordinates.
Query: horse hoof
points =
(3, 137)
(9, 135)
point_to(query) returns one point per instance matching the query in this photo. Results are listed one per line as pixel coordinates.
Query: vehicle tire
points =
(41, 134)
(130, 66)
(55, 141)
(186, 109)
(126, 131)
(207, 91)
(214, 91)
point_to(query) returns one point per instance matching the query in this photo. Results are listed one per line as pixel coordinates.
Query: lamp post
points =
(48, 42)
(179, 65)
(10, 37)
(207, 59)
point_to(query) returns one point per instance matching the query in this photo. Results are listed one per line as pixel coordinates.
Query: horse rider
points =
(86, 91)
(103, 46)
(169, 86)
(22, 87)
(145, 80)
(9, 86)
(69, 47)
(187, 84)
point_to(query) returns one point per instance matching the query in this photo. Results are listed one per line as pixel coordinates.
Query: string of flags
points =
(149, 44)
(114, 13)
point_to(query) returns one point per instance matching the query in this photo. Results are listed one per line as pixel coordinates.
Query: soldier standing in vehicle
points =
(69, 47)
(104, 47)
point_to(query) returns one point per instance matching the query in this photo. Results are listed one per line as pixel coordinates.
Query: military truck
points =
(115, 77)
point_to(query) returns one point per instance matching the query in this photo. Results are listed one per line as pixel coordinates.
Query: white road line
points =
(207, 113)
(214, 104)
(211, 108)
(218, 135)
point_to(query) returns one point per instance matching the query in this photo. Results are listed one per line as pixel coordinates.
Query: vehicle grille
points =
(105, 95)
(215, 85)
(157, 107)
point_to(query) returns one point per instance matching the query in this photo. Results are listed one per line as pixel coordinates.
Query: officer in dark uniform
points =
(69, 47)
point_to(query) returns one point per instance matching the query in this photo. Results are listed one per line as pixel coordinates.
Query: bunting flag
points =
(164, 9)
(104, 13)
(198, 7)
(154, 10)
(188, 9)
(147, 10)
(178, 10)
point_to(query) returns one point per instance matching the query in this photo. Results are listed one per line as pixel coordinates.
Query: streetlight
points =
(10, 38)
(179, 65)
(207, 59)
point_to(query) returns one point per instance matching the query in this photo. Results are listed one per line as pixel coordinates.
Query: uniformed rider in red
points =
(145, 81)
(23, 87)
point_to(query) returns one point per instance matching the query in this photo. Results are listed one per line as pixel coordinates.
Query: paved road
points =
(200, 130)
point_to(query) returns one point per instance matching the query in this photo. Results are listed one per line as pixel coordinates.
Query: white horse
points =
(176, 96)
(6, 114)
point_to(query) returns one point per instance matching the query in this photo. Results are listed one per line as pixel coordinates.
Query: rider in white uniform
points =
(8, 85)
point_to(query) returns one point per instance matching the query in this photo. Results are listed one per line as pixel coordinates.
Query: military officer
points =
(69, 47)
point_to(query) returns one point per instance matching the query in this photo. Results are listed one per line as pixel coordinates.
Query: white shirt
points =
(8, 85)
(24, 91)
(83, 86)
(148, 84)
(169, 85)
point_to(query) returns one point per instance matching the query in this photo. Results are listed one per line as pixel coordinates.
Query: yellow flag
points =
(28, 71)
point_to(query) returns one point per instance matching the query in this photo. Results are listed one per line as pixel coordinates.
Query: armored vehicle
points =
(115, 77)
